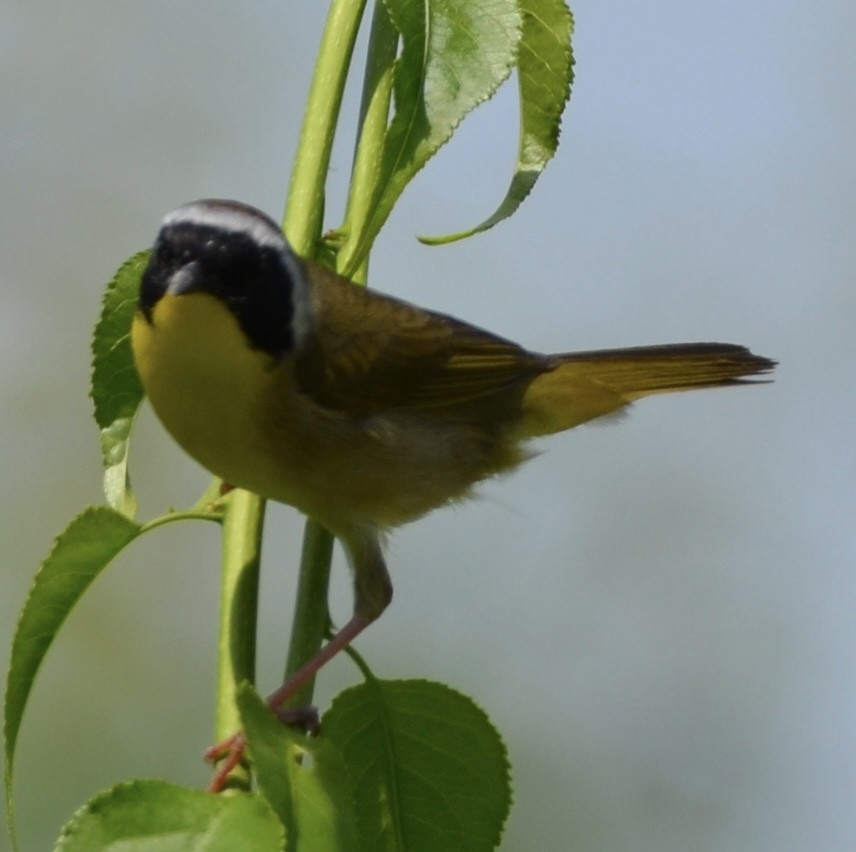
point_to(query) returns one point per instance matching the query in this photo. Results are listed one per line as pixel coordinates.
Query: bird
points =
(361, 410)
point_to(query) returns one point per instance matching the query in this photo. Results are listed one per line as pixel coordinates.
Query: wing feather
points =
(368, 352)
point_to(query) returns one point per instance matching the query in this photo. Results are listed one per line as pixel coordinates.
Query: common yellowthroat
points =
(361, 410)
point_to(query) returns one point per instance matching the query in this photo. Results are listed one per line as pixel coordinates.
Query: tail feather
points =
(585, 385)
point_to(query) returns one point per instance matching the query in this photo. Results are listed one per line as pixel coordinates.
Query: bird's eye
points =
(165, 253)
(231, 259)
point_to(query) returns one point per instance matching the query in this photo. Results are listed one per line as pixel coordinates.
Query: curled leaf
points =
(116, 390)
(545, 72)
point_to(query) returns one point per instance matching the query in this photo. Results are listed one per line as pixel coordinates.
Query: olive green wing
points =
(367, 352)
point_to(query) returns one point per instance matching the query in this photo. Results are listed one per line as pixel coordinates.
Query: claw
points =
(230, 752)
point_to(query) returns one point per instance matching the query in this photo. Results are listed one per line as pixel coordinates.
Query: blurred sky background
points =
(658, 613)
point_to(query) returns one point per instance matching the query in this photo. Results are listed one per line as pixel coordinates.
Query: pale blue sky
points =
(658, 613)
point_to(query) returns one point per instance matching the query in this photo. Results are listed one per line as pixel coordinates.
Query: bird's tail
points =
(586, 385)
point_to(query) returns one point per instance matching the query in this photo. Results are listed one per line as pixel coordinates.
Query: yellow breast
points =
(204, 383)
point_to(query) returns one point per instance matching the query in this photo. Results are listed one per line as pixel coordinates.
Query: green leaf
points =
(80, 553)
(545, 72)
(303, 779)
(116, 389)
(455, 54)
(429, 770)
(155, 816)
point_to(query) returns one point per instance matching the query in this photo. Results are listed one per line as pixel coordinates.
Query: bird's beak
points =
(184, 280)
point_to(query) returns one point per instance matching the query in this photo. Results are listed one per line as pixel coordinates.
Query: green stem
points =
(352, 260)
(243, 517)
(302, 223)
(304, 209)
(311, 616)
(201, 515)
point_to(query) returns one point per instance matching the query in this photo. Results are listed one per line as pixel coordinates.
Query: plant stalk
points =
(243, 517)
(302, 223)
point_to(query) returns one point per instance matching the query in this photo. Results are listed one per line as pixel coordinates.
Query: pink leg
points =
(372, 594)
(232, 750)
